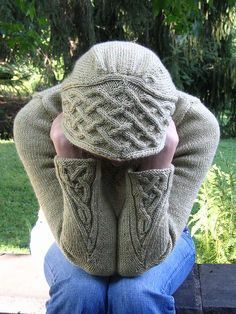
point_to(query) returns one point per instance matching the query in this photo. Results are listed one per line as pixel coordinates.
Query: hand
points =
(164, 158)
(63, 147)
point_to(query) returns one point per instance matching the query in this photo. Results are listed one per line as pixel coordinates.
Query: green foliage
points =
(214, 224)
(179, 14)
(202, 71)
(201, 57)
(22, 31)
(25, 39)
(208, 17)
(12, 80)
(195, 40)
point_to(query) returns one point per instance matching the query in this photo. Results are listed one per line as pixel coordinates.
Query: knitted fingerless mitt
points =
(143, 225)
(88, 236)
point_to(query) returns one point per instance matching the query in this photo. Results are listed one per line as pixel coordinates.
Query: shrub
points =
(213, 225)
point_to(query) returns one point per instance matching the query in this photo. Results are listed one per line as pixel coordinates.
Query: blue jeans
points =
(73, 291)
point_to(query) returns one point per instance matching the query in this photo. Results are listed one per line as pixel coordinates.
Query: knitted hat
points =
(118, 101)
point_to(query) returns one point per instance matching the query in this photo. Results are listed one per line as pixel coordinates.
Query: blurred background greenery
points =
(196, 40)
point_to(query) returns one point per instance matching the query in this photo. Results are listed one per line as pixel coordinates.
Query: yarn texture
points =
(108, 219)
(118, 101)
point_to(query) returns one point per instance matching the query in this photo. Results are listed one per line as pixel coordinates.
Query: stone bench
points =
(208, 289)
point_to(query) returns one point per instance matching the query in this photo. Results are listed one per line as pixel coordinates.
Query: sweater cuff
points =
(157, 180)
(155, 171)
(67, 162)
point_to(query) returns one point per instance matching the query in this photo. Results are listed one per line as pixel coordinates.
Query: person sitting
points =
(116, 155)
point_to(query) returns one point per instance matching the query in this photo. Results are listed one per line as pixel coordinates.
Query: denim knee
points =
(72, 290)
(72, 296)
(128, 296)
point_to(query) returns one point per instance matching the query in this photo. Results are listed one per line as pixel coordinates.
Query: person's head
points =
(118, 102)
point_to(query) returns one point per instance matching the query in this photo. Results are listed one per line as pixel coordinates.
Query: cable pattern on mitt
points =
(149, 194)
(77, 185)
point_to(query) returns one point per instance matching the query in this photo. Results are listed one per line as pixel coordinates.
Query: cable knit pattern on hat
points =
(116, 121)
(102, 226)
(118, 101)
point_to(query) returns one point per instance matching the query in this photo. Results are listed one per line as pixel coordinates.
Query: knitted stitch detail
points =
(150, 194)
(77, 180)
(117, 124)
(147, 194)
(199, 133)
(118, 101)
(142, 223)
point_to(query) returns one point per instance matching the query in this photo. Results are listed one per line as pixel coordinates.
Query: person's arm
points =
(68, 191)
(159, 201)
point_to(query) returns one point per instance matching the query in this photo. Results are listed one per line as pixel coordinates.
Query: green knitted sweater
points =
(110, 219)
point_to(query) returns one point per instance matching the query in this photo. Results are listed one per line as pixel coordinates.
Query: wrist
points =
(160, 161)
(66, 149)
(154, 166)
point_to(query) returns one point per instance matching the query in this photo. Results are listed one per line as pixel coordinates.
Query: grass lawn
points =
(18, 205)
(226, 153)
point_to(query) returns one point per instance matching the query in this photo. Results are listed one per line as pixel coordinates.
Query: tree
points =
(193, 38)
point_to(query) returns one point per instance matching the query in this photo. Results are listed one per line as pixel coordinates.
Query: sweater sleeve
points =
(159, 201)
(69, 193)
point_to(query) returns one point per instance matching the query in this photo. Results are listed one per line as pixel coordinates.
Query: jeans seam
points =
(163, 290)
(189, 240)
(52, 271)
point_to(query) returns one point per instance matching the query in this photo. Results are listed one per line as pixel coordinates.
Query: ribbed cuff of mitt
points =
(86, 239)
(143, 224)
